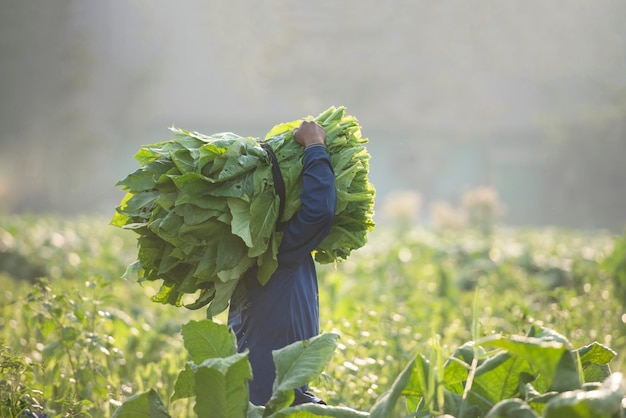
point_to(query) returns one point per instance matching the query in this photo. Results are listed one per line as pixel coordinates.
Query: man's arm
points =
(310, 225)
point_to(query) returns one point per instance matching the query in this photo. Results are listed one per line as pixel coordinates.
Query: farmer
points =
(286, 308)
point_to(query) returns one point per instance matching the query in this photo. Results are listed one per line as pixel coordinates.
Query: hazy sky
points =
(84, 84)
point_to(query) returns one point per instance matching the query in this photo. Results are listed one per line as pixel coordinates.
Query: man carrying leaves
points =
(286, 309)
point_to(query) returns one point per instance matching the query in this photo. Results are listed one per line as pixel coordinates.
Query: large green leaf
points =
(231, 258)
(605, 402)
(149, 154)
(595, 359)
(183, 158)
(223, 292)
(240, 224)
(207, 339)
(138, 181)
(184, 386)
(239, 164)
(192, 185)
(221, 386)
(298, 363)
(499, 378)
(319, 411)
(140, 204)
(512, 408)
(263, 215)
(147, 404)
(548, 359)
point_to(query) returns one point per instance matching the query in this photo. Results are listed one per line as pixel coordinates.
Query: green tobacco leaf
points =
(282, 128)
(121, 218)
(240, 225)
(417, 387)
(167, 228)
(604, 402)
(548, 335)
(278, 402)
(188, 188)
(184, 386)
(141, 204)
(207, 153)
(223, 293)
(320, 411)
(231, 257)
(512, 408)
(238, 165)
(146, 155)
(207, 339)
(147, 404)
(192, 214)
(456, 367)
(385, 404)
(499, 378)
(192, 185)
(595, 359)
(263, 216)
(268, 262)
(221, 386)
(138, 181)
(184, 160)
(596, 353)
(255, 411)
(297, 364)
(240, 187)
(548, 359)
(204, 298)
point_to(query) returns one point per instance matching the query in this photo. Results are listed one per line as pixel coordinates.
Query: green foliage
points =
(615, 266)
(16, 396)
(531, 376)
(393, 298)
(147, 404)
(206, 207)
(219, 381)
(296, 365)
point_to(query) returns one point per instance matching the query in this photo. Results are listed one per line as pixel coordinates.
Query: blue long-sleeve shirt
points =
(286, 308)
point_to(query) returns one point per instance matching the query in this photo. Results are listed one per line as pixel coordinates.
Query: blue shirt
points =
(286, 309)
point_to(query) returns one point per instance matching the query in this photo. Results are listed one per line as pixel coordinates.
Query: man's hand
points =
(309, 133)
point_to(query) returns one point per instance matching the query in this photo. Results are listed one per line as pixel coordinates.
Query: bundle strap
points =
(279, 182)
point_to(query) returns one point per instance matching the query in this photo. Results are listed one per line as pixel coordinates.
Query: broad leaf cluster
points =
(532, 376)
(206, 207)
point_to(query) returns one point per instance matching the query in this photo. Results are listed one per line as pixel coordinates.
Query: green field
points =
(83, 340)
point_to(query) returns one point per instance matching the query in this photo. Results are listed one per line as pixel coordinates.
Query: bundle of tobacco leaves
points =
(206, 207)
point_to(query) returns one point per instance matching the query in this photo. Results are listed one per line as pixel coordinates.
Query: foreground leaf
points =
(298, 363)
(512, 408)
(550, 361)
(207, 339)
(595, 359)
(320, 411)
(605, 402)
(147, 404)
(221, 386)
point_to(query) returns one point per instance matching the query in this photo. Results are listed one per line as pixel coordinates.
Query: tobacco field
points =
(417, 323)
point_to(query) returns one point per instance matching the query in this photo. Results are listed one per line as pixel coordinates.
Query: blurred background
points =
(522, 103)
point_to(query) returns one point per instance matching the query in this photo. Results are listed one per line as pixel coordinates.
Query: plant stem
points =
(473, 366)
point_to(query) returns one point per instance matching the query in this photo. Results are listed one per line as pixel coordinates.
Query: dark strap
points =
(279, 182)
